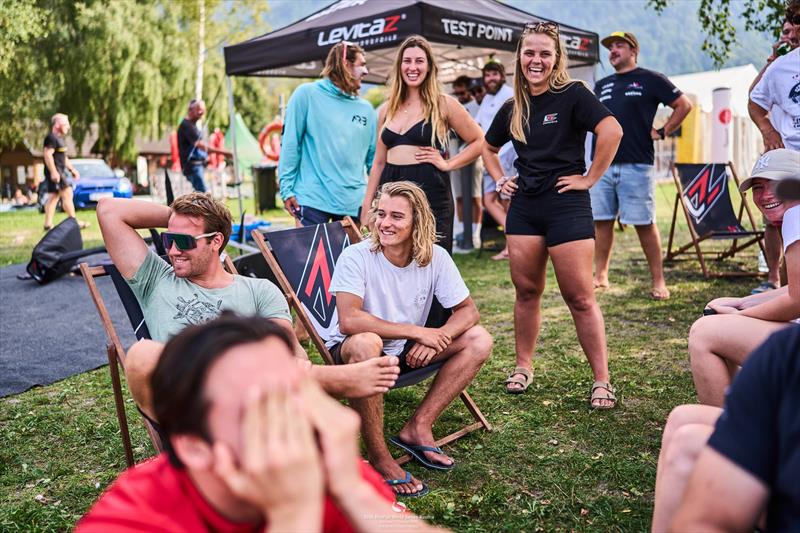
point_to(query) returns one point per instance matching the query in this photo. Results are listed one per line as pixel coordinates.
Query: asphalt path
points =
(50, 332)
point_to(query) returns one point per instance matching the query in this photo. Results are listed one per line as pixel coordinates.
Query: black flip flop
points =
(416, 451)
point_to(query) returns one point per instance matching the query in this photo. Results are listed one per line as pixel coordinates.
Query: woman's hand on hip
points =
(575, 182)
(428, 154)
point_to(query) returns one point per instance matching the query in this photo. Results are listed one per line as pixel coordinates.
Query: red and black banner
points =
(307, 257)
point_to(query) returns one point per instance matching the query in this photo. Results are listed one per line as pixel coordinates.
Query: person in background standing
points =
(461, 92)
(193, 150)
(328, 141)
(627, 190)
(56, 163)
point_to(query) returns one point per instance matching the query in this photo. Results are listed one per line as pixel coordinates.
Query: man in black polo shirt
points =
(58, 182)
(627, 189)
(193, 150)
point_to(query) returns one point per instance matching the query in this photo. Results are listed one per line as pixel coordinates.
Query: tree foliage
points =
(126, 67)
(717, 19)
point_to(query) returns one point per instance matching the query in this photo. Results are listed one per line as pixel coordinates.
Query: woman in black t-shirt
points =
(550, 211)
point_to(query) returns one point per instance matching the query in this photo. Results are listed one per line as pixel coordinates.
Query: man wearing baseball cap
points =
(626, 190)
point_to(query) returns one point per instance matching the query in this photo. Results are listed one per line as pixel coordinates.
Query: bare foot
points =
(389, 469)
(502, 255)
(601, 283)
(421, 437)
(358, 380)
(659, 293)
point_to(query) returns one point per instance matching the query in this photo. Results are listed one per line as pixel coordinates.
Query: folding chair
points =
(302, 260)
(114, 348)
(704, 197)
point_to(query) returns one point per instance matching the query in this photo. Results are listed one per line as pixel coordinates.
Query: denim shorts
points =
(627, 190)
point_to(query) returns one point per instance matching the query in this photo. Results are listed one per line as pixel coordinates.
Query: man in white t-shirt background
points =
(384, 287)
(497, 92)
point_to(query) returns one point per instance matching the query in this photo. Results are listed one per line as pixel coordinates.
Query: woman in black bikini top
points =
(413, 131)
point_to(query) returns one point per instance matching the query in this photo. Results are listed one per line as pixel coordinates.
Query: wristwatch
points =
(661, 133)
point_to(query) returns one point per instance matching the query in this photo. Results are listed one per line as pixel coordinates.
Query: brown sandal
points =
(602, 390)
(523, 381)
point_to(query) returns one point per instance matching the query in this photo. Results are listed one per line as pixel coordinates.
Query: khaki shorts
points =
(455, 180)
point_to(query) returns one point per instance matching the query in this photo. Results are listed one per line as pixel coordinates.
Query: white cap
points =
(775, 165)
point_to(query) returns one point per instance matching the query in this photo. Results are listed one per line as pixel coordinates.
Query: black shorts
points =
(558, 217)
(336, 353)
(52, 186)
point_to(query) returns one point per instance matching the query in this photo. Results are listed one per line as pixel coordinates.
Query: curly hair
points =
(430, 92)
(215, 215)
(423, 231)
(558, 81)
(336, 67)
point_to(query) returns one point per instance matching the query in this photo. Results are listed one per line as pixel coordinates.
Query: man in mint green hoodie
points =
(328, 141)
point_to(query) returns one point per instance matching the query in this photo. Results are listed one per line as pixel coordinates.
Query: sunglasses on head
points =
(183, 241)
(541, 26)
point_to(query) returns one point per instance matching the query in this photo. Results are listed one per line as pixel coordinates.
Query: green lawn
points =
(550, 464)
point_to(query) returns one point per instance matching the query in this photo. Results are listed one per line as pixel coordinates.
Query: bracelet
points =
(502, 181)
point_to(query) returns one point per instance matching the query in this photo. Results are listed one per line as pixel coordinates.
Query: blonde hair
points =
(423, 231)
(558, 81)
(336, 67)
(58, 116)
(431, 92)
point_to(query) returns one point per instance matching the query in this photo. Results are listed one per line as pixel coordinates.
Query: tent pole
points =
(237, 177)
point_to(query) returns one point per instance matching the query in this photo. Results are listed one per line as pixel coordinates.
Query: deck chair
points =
(114, 349)
(704, 197)
(302, 260)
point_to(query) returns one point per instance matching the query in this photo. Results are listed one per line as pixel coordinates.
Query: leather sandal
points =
(602, 390)
(524, 381)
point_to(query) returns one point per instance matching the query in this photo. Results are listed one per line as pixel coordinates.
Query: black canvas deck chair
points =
(114, 349)
(704, 196)
(302, 260)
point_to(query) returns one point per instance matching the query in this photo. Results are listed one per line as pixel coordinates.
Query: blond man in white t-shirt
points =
(384, 287)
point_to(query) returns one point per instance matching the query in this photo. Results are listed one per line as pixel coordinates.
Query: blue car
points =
(98, 181)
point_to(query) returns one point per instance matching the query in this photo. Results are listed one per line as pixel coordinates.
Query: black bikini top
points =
(419, 134)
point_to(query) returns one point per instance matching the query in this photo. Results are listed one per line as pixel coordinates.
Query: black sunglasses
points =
(182, 241)
(542, 26)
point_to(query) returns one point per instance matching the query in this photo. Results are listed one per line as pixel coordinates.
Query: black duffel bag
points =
(55, 255)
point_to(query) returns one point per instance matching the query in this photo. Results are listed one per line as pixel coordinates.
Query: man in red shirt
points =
(252, 443)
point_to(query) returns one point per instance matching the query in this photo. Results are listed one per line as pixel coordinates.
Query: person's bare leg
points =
(528, 262)
(498, 209)
(604, 241)
(675, 464)
(66, 201)
(772, 246)
(717, 341)
(572, 262)
(50, 209)
(140, 362)
(464, 358)
(357, 349)
(650, 240)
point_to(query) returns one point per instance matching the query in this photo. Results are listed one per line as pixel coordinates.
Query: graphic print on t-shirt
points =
(794, 94)
(196, 311)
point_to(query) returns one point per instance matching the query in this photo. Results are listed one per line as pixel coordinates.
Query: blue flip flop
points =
(394, 482)
(416, 451)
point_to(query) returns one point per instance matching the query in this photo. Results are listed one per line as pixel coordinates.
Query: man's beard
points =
(499, 86)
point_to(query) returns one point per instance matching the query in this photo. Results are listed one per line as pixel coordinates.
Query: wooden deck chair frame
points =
(354, 234)
(738, 243)
(116, 359)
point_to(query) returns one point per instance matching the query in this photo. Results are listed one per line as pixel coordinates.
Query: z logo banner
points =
(705, 189)
(313, 289)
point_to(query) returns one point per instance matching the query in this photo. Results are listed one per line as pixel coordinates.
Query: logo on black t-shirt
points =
(552, 118)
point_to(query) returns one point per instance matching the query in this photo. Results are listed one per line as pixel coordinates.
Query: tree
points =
(716, 18)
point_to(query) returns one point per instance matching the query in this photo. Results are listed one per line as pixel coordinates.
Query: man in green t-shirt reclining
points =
(196, 288)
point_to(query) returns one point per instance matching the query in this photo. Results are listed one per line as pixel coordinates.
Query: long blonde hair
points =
(423, 231)
(431, 92)
(336, 66)
(559, 77)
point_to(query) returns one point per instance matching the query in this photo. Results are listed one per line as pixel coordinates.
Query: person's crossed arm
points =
(465, 315)
(119, 219)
